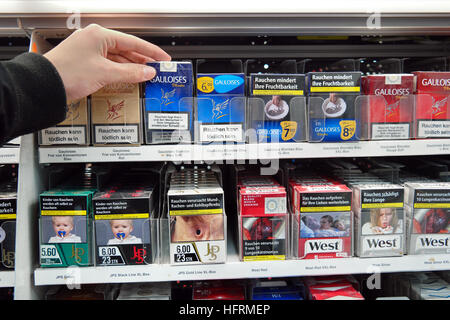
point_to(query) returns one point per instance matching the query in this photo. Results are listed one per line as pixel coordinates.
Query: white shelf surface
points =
(9, 155)
(7, 279)
(194, 152)
(234, 269)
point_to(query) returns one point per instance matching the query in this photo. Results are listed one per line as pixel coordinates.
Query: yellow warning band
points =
(63, 212)
(265, 258)
(431, 205)
(382, 205)
(335, 89)
(195, 212)
(320, 209)
(8, 216)
(279, 92)
(122, 216)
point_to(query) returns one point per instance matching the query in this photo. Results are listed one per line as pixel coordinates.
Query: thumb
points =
(130, 72)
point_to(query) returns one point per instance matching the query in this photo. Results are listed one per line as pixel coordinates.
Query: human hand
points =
(93, 57)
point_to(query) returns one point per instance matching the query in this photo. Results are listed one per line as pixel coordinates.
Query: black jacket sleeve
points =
(32, 96)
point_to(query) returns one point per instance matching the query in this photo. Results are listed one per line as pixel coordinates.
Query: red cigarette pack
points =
(323, 221)
(262, 201)
(387, 110)
(432, 104)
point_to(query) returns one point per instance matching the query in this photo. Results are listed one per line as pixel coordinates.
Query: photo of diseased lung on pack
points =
(431, 221)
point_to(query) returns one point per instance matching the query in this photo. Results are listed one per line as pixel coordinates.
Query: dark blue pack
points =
(333, 115)
(168, 103)
(220, 107)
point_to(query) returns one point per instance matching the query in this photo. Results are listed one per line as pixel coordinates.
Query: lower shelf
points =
(235, 269)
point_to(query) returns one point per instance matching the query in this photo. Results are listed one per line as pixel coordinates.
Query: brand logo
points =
(227, 83)
(113, 111)
(392, 92)
(8, 258)
(212, 251)
(77, 254)
(138, 255)
(433, 242)
(380, 243)
(324, 246)
(218, 109)
(169, 79)
(438, 107)
(73, 111)
(436, 82)
(166, 96)
(392, 109)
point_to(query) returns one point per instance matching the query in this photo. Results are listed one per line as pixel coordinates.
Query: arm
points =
(34, 89)
(32, 96)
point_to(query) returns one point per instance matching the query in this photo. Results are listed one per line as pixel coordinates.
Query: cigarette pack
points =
(218, 290)
(322, 221)
(332, 106)
(74, 130)
(197, 224)
(220, 108)
(169, 103)
(263, 219)
(427, 209)
(379, 220)
(8, 213)
(277, 107)
(123, 225)
(65, 228)
(388, 107)
(432, 114)
(116, 115)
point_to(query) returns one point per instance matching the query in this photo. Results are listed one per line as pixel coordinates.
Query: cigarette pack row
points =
(235, 107)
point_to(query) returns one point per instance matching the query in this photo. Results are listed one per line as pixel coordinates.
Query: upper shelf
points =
(214, 152)
(232, 6)
(191, 18)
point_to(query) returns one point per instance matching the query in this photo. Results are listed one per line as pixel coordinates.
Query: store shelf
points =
(9, 155)
(178, 152)
(7, 279)
(234, 269)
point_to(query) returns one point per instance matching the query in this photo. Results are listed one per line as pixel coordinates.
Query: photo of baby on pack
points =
(63, 229)
(122, 231)
(382, 221)
(431, 221)
(322, 225)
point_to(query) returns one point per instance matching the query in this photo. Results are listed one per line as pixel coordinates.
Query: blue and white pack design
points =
(220, 107)
(169, 104)
(332, 106)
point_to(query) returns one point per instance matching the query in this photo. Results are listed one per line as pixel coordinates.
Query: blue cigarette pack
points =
(169, 103)
(220, 107)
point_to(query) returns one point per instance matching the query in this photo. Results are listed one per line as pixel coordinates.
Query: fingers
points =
(129, 56)
(128, 43)
(128, 72)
